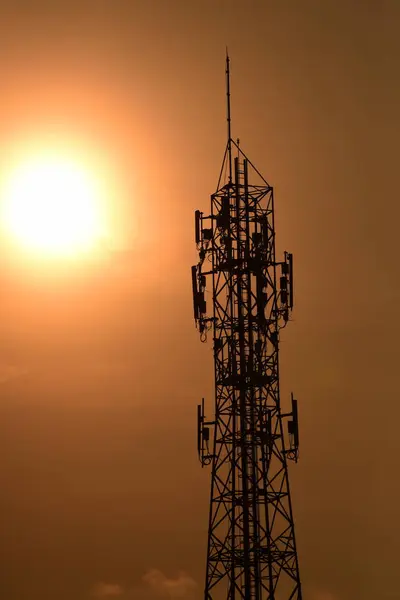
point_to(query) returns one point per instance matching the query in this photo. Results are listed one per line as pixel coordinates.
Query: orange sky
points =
(100, 365)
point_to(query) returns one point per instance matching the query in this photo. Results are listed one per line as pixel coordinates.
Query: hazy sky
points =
(101, 368)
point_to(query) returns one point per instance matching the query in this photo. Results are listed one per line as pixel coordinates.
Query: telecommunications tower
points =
(251, 551)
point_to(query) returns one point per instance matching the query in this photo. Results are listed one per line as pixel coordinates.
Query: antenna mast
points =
(228, 115)
(251, 551)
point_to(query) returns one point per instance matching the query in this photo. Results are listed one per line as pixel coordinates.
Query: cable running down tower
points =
(251, 551)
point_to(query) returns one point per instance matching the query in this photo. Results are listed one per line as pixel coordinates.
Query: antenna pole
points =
(228, 115)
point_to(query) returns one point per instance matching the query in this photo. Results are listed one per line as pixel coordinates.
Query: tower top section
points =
(228, 113)
(233, 148)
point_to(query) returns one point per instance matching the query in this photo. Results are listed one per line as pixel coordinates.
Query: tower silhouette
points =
(251, 550)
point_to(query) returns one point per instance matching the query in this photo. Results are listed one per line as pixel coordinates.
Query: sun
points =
(50, 205)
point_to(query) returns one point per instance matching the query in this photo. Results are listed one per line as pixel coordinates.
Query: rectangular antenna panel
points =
(197, 216)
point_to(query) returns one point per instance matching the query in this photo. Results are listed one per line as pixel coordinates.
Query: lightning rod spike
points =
(228, 115)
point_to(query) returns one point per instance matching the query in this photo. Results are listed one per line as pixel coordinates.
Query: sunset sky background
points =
(101, 367)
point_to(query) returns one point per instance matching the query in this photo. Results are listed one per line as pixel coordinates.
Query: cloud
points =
(107, 590)
(182, 586)
(153, 586)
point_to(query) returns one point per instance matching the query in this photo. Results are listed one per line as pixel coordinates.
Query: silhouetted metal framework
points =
(251, 540)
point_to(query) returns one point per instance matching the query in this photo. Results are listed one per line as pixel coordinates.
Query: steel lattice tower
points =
(251, 551)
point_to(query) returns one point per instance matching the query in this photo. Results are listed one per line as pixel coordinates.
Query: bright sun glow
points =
(51, 206)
